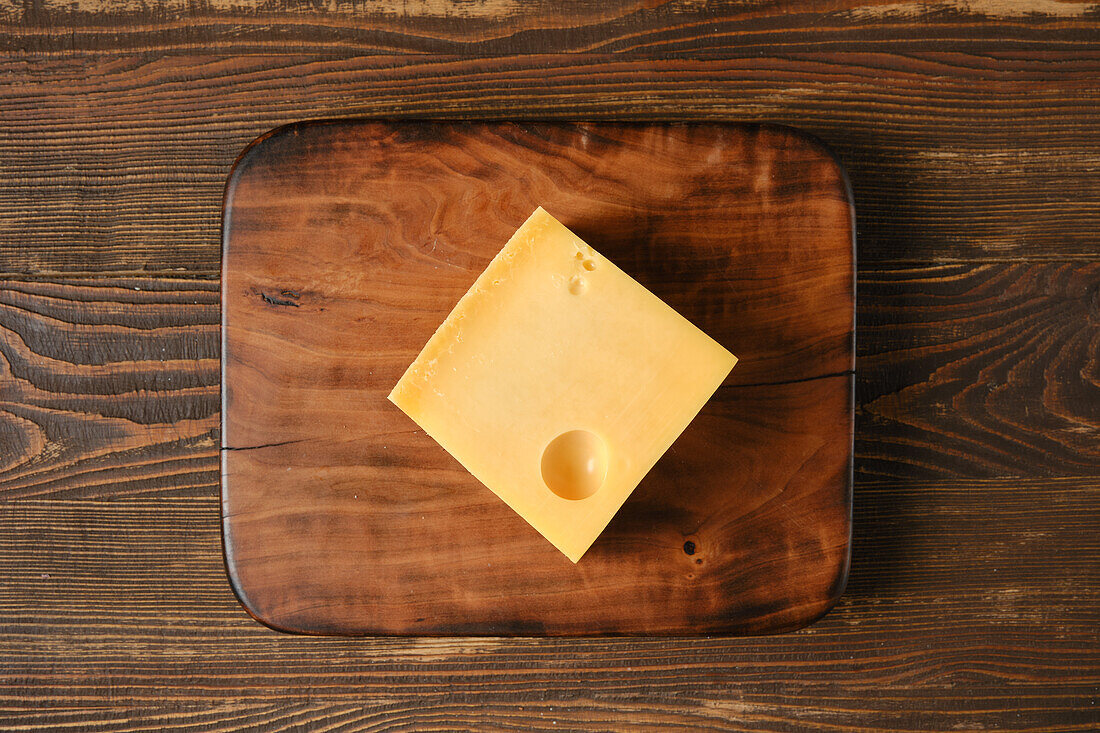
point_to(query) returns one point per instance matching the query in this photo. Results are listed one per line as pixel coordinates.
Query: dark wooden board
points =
(346, 245)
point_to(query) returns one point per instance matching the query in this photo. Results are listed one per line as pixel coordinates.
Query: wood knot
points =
(284, 298)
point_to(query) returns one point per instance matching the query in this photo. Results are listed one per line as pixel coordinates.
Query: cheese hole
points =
(574, 464)
(577, 285)
(580, 255)
(590, 265)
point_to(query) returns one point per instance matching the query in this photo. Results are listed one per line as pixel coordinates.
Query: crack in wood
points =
(831, 375)
(262, 445)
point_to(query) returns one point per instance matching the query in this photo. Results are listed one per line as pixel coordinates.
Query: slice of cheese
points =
(558, 381)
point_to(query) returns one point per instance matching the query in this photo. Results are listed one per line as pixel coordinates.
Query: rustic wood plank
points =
(945, 607)
(119, 163)
(916, 544)
(108, 387)
(1002, 710)
(949, 617)
(970, 129)
(990, 370)
(493, 27)
(124, 423)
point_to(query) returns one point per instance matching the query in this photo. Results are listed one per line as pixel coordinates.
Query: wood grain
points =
(990, 370)
(970, 131)
(127, 449)
(952, 617)
(107, 386)
(949, 617)
(494, 27)
(347, 244)
(957, 155)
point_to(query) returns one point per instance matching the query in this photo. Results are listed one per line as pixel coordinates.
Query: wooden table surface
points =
(971, 130)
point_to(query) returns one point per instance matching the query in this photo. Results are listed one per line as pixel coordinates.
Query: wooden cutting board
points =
(346, 244)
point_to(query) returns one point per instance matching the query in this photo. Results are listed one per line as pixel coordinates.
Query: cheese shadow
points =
(696, 287)
(690, 483)
(712, 500)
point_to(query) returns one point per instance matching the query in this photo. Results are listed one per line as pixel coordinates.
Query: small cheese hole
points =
(574, 464)
(577, 285)
(590, 265)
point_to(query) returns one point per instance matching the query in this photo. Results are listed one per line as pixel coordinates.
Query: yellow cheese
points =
(558, 381)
